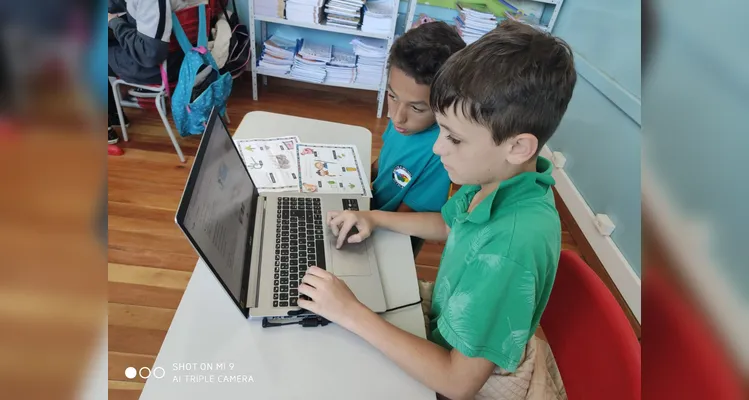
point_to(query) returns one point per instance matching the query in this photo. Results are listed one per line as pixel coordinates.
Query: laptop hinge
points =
(253, 288)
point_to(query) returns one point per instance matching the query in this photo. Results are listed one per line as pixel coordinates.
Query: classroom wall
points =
(600, 134)
(696, 139)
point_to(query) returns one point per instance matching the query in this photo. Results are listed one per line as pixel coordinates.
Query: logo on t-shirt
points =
(401, 176)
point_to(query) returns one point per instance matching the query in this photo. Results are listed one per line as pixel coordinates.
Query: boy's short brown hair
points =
(421, 51)
(515, 79)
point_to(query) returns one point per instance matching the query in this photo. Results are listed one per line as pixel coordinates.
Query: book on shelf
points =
(474, 20)
(342, 67)
(277, 55)
(306, 11)
(343, 13)
(270, 8)
(310, 61)
(378, 16)
(371, 57)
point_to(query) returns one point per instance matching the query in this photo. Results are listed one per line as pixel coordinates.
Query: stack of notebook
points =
(378, 16)
(307, 11)
(269, 8)
(371, 58)
(310, 62)
(474, 20)
(344, 13)
(277, 55)
(342, 67)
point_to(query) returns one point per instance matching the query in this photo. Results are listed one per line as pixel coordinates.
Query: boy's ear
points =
(523, 147)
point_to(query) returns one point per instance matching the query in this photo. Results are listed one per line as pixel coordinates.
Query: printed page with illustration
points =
(272, 163)
(334, 169)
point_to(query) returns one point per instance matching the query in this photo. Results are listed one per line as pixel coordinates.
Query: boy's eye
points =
(418, 110)
(452, 139)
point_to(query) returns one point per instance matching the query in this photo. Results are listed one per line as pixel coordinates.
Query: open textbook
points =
(282, 164)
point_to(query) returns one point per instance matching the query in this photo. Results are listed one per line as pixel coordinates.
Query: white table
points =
(289, 362)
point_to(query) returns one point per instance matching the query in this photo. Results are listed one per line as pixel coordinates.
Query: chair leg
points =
(161, 106)
(118, 103)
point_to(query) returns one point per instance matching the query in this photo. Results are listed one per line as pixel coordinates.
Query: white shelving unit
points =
(557, 6)
(325, 28)
(264, 20)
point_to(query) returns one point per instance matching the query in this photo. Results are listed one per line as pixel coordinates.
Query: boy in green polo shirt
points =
(497, 102)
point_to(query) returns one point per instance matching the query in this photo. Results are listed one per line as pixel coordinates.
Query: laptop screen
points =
(222, 199)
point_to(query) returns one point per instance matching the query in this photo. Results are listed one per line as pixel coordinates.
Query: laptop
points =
(259, 246)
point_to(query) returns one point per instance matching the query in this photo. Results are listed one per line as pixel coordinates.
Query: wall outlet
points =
(558, 159)
(604, 224)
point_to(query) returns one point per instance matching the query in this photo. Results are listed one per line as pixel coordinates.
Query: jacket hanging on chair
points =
(201, 86)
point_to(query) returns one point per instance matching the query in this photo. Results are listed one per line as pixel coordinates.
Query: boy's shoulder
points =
(515, 231)
(534, 231)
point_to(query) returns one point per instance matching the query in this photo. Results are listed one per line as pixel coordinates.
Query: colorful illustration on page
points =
(272, 163)
(331, 169)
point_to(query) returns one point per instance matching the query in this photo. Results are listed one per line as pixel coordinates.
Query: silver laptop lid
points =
(217, 210)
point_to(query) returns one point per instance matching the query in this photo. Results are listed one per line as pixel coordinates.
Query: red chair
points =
(592, 341)
(685, 358)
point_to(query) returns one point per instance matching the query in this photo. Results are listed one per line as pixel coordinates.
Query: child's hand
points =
(342, 222)
(330, 297)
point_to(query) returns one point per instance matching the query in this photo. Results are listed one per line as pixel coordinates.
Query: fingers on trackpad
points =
(351, 260)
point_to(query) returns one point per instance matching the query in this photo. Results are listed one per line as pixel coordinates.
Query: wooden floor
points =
(150, 262)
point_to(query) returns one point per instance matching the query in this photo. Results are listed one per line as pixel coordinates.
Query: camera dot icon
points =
(130, 372)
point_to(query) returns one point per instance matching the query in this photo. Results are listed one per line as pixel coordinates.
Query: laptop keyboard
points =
(299, 245)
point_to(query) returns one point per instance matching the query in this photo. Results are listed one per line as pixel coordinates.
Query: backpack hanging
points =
(239, 46)
(201, 84)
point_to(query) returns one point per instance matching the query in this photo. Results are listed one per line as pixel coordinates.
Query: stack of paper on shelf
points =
(277, 55)
(307, 11)
(371, 58)
(378, 16)
(474, 20)
(342, 67)
(310, 62)
(270, 8)
(343, 13)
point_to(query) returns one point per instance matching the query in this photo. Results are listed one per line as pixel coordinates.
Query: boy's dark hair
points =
(515, 79)
(422, 51)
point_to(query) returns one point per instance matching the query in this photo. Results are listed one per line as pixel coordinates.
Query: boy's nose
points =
(438, 148)
(400, 115)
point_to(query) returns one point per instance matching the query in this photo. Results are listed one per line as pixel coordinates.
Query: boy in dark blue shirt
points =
(408, 176)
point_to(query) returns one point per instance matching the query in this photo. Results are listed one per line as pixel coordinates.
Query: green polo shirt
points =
(497, 268)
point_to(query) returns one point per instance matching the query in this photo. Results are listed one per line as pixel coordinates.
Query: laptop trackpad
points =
(351, 260)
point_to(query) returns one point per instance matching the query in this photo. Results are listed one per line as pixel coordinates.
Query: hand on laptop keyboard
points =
(350, 226)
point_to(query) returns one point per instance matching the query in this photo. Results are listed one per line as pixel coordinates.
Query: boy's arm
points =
(449, 373)
(425, 225)
(116, 6)
(404, 208)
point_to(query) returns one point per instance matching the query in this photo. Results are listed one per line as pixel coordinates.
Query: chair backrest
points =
(592, 341)
(685, 357)
(188, 18)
